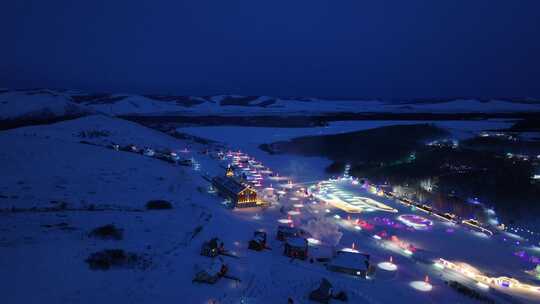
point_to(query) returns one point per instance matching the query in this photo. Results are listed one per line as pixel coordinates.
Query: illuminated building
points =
(230, 172)
(240, 195)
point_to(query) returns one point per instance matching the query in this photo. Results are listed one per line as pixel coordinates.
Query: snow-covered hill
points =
(54, 190)
(32, 103)
(265, 105)
(39, 104)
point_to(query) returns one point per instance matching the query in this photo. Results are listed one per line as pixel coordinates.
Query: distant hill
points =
(39, 106)
(35, 102)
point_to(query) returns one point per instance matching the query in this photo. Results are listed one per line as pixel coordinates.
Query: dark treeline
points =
(444, 177)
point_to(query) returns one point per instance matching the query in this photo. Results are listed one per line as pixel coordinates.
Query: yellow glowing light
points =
(485, 281)
(482, 285)
(474, 224)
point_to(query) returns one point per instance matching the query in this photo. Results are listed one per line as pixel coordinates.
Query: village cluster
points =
(247, 183)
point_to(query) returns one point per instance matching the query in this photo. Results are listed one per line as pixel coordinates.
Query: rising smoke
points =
(325, 230)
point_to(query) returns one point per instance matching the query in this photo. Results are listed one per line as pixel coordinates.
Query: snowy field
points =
(44, 248)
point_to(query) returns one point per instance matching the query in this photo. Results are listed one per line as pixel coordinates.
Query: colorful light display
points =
(473, 273)
(339, 193)
(424, 285)
(476, 226)
(388, 265)
(415, 221)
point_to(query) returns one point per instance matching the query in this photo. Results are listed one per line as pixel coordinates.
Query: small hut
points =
(353, 263)
(212, 248)
(258, 242)
(296, 247)
(323, 294)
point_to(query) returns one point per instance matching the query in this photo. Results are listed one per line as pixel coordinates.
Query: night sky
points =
(333, 48)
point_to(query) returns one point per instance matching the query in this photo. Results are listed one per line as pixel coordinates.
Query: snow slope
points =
(55, 150)
(38, 104)
(114, 130)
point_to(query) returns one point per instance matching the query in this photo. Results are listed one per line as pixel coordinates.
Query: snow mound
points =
(50, 163)
(102, 130)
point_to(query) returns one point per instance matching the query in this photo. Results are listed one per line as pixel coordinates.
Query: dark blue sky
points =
(338, 48)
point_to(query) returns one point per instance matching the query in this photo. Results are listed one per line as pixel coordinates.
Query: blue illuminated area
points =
(346, 194)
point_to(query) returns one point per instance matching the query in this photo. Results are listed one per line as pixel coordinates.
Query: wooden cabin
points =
(258, 242)
(240, 195)
(353, 263)
(323, 294)
(296, 247)
(212, 248)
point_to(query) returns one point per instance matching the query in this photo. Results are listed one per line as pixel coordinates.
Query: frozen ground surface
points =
(43, 251)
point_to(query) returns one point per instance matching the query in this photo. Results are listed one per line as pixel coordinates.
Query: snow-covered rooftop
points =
(350, 260)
